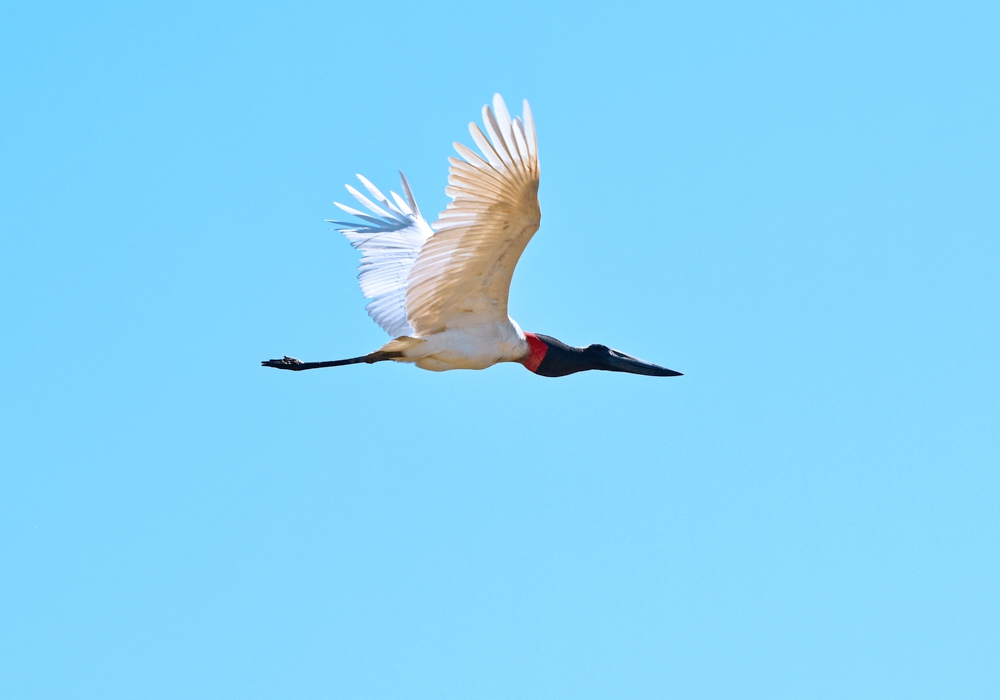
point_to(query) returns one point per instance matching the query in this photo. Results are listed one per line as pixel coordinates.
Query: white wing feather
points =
(463, 272)
(390, 242)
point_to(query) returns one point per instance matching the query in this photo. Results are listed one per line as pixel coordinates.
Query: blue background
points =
(795, 204)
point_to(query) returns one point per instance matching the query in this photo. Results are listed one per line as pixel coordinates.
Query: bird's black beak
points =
(615, 361)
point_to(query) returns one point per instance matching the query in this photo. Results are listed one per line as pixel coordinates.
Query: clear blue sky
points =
(794, 204)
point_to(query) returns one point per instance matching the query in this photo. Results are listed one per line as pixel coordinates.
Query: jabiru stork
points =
(441, 290)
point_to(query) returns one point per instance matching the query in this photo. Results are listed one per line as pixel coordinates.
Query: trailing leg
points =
(298, 365)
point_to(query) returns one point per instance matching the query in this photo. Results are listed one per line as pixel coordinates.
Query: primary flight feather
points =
(441, 290)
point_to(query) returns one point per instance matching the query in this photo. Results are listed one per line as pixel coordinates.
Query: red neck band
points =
(537, 354)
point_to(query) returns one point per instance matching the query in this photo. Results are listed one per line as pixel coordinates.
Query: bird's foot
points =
(284, 363)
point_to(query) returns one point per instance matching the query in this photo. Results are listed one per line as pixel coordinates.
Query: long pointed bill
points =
(620, 362)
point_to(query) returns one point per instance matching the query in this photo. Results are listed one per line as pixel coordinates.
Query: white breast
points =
(471, 347)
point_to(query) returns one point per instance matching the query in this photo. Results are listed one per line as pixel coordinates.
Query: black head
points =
(552, 358)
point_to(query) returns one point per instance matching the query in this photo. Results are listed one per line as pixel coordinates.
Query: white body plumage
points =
(474, 347)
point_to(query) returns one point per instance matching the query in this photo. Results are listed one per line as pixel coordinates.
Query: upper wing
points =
(463, 272)
(389, 243)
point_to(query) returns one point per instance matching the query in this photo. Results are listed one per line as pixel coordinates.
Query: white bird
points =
(441, 290)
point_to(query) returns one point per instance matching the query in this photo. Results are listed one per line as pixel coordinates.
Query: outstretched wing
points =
(462, 275)
(389, 242)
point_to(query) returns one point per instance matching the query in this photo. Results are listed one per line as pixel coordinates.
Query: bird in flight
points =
(440, 290)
